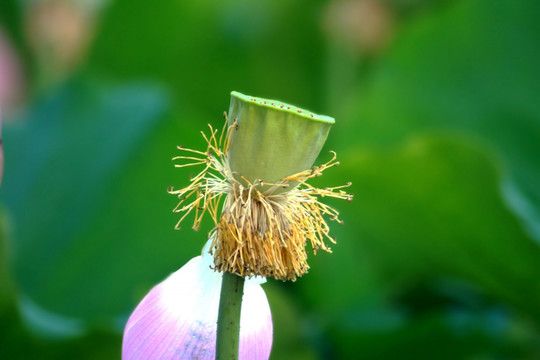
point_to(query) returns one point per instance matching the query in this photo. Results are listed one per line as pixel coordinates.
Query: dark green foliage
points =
(439, 257)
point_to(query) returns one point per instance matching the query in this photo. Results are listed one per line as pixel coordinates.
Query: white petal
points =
(177, 318)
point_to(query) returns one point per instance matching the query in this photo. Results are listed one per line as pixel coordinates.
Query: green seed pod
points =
(273, 140)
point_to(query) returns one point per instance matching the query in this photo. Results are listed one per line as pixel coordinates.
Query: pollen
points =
(257, 232)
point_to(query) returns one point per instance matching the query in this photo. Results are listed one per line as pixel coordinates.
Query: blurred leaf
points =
(431, 337)
(470, 69)
(62, 157)
(17, 343)
(429, 209)
(6, 286)
(11, 19)
(433, 207)
(290, 341)
(204, 50)
(139, 246)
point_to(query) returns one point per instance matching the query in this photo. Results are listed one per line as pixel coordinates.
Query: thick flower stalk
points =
(260, 164)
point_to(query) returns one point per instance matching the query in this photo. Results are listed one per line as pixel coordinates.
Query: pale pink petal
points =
(1, 148)
(11, 75)
(177, 318)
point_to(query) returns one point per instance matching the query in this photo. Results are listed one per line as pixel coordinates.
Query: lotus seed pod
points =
(273, 140)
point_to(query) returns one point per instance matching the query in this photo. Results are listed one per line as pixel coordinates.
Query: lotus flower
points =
(259, 166)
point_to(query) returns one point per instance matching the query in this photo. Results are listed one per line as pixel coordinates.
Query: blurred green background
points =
(437, 107)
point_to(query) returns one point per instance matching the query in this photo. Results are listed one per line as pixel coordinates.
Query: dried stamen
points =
(259, 232)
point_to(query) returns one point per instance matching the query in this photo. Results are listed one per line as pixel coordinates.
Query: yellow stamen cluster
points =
(259, 232)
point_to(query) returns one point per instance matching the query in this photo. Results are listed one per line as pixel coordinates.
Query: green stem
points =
(228, 323)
